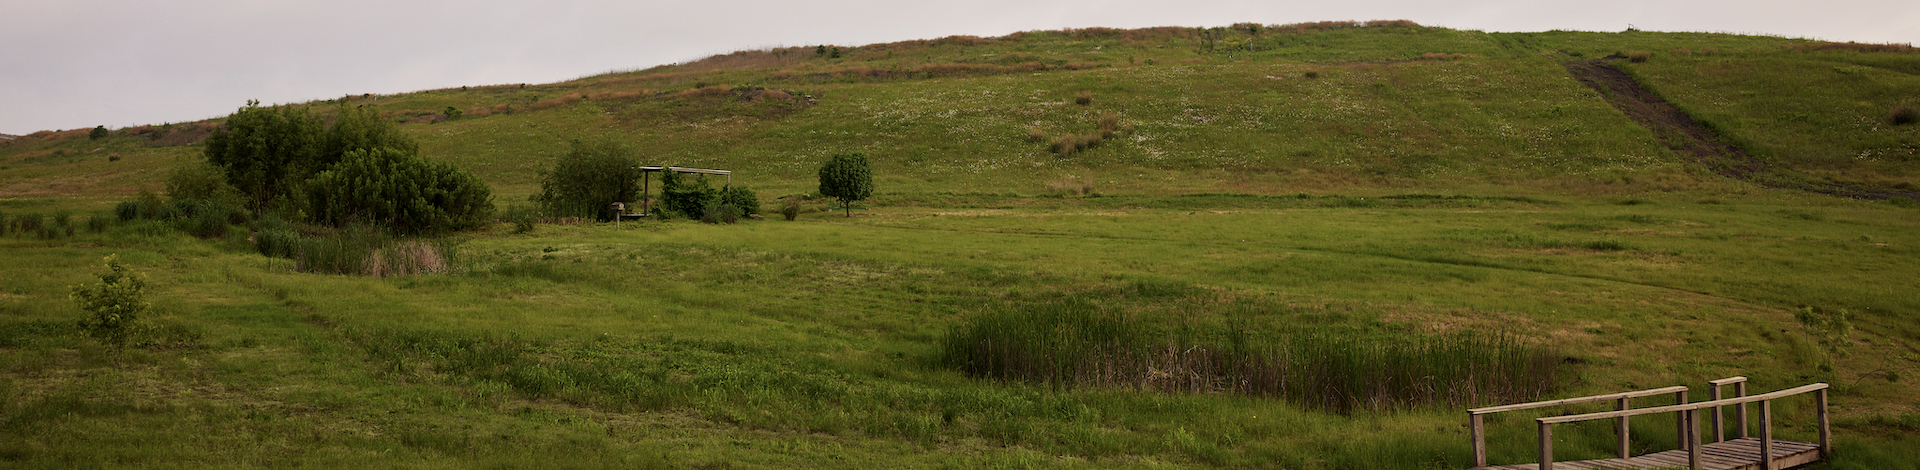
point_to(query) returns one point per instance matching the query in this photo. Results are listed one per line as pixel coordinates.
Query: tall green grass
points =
(1074, 344)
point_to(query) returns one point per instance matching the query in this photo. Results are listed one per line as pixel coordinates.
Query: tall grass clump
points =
(1639, 56)
(1072, 344)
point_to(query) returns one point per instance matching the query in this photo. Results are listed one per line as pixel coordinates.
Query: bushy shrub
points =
(1904, 114)
(742, 198)
(198, 179)
(592, 176)
(522, 217)
(1083, 98)
(716, 213)
(791, 209)
(114, 305)
(688, 195)
(98, 223)
(400, 191)
(98, 132)
(204, 218)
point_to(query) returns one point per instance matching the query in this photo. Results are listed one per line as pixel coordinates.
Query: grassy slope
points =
(1699, 287)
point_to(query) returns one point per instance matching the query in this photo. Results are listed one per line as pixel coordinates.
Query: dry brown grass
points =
(1639, 56)
(405, 258)
(557, 101)
(1083, 97)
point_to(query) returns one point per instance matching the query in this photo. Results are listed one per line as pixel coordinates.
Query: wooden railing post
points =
(1546, 446)
(1714, 393)
(1693, 438)
(1766, 435)
(1826, 436)
(1478, 426)
(1680, 419)
(1623, 431)
(1740, 390)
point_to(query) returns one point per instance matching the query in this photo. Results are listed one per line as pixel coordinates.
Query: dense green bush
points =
(197, 179)
(114, 305)
(742, 198)
(592, 176)
(395, 189)
(687, 195)
(268, 154)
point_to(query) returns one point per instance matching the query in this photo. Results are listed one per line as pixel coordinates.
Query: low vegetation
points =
(1311, 246)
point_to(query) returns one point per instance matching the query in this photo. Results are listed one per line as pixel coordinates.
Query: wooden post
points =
(1478, 427)
(1680, 419)
(646, 194)
(1826, 435)
(1718, 434)
(1546, 446)
(1621, 430)
(1766, 434)
(1740, 390)
(1693, 438)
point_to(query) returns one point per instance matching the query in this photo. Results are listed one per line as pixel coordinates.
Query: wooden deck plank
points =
(1733, 454)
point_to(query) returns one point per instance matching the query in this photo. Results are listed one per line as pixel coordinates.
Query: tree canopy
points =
(592, 175)
(847, 178)
(398, 190)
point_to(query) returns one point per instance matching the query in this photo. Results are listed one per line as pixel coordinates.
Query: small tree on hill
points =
(590, 177)
(98, 132)
(113, 305)
(847, 178)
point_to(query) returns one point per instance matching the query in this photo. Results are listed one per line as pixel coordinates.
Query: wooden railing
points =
(1621, 401)
(1689, 414)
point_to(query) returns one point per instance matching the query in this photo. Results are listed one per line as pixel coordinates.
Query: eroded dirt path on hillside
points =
(1693, 139)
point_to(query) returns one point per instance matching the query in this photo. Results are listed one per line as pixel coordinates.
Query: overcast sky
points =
(68, 64)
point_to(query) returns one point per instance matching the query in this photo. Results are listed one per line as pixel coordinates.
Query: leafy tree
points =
(269, 153)
(266, 152)
(98, 132)
(398, 190)
(113, 306)
(847, 178)
(593, 175)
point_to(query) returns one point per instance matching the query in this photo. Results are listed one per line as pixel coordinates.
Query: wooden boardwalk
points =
(1762, 452)
(1736, 454)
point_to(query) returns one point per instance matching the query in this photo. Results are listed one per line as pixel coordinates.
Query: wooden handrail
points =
(1684, 407)
(1572, 401)
(1622, 401)
(1689, 414)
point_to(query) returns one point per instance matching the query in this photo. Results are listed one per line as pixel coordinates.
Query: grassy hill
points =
(1375, 183)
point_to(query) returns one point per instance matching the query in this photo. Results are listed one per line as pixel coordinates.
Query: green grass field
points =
(1378, 185)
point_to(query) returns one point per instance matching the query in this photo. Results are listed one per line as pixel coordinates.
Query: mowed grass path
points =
(809, 343)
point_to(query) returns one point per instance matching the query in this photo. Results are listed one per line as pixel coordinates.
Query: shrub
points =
(791, 209)
(741, 198)
(97, 223)
(198, 179)
(522, 218)
(114, 305)
(399, 191)
(717, 213)
(98, 132)
(1108, 123)
(592, 176)
(1083, 98)
(686, 195)
(1639, 56)
(27, 223)
(1904, 114)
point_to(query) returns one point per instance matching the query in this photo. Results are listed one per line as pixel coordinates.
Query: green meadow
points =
(1364, 199)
